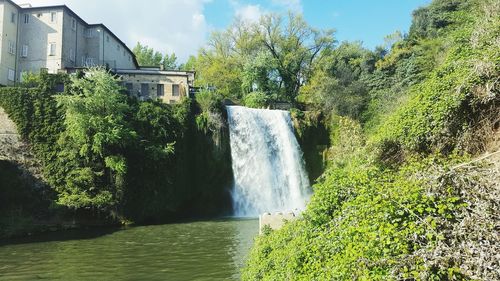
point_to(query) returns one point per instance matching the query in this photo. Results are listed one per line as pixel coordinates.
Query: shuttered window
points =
(52, 49)
(160, 90)
(11, 74)
(175, 90)
(24, 51)
(144, 89)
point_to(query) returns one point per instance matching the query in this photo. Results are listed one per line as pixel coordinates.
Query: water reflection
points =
(212, 250)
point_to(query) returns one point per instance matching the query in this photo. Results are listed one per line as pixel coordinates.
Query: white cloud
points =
(249, 13)
(292, 5)
(167, 26)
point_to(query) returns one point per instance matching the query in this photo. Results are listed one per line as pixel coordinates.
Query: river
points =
(207, 250)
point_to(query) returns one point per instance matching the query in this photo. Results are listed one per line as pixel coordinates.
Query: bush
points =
(256, 100)
(394, 202)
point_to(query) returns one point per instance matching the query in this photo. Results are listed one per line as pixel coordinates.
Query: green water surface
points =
(212, 250)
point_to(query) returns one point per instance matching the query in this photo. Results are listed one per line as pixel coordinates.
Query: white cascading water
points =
(267, 162)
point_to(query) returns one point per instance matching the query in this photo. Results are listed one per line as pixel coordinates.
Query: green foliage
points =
(442, 108)
(217, 69)
(210, 118)
(287, 42)
(393, 204)
(431, 20)
(274, 56)
(147, 56)
(116, 156)
(361, 224)
(37, 116)
(95, 132)
(151, 193)
(170, 62)
(190, 64)
(337, 85)
(256, 100)
(313, 137)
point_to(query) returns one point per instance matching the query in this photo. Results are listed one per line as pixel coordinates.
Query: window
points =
(118, 47)
(13, 18)
(53, 17)
(11, 74)
(175, 90)
(160, 90)
(73, 24)
(12, 48)
(26, 18)
(71, 55)
(107, 38)
(87, 61)
(144, 90)
(129, 86)
(24, 51)
(52, 49)
(129, 58)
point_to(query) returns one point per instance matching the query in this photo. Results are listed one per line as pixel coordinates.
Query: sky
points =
(183, 26)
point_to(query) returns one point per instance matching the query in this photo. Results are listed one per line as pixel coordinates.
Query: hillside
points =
(411, 190)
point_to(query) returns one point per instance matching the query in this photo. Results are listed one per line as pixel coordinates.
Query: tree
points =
(170, 62)
(146, 56)
(338, 83)
(219, 66)
(274, 56)
(189, 65)
(91, 145)
(293, 45)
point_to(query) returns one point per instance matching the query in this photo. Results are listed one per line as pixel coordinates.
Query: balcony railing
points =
(92, 62)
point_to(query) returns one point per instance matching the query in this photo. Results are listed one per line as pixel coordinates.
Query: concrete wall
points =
(8, 33)
(275, 221)
(73, 42)
(92, 46)
(38, 34)
(152, 80)
(117, 55)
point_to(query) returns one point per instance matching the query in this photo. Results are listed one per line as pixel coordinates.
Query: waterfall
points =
(267, 162)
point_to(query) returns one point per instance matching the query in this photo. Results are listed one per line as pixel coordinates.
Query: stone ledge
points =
(275, 221)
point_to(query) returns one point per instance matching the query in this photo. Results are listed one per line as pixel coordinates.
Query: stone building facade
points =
(168, 86)
(54, 39)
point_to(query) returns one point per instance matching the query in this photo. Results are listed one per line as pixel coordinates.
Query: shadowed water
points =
(213, 250)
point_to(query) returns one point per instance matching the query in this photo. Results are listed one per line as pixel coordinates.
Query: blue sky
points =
(182, 26)
(368, 21)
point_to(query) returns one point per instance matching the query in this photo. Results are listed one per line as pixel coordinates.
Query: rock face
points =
(10, 145)
(13, 149)
(275, 221)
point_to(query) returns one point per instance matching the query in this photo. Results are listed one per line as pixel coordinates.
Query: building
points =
(55, 39)
(168, 86)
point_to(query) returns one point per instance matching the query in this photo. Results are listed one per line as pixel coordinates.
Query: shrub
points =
(256, 100)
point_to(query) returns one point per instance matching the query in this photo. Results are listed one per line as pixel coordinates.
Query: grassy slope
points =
(393, 204)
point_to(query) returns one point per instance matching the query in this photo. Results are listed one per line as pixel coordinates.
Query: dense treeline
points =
(105, 154)
(401, 198)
